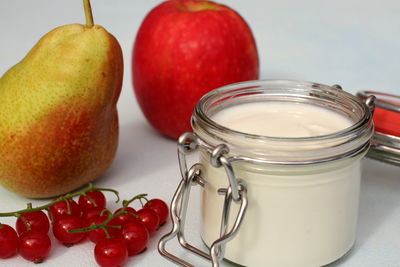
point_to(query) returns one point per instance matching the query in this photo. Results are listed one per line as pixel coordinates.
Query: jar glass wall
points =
(303, 191)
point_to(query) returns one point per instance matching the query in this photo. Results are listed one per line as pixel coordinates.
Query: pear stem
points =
(88, 13)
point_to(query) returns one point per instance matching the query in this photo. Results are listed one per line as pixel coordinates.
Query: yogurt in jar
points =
(281, 119)
(297, 215)
(302, 151)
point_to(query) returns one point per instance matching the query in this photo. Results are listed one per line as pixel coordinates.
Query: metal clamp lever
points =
(187, 144)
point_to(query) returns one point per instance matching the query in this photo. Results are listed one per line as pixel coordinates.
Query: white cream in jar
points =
(302, 144)
(281, 119)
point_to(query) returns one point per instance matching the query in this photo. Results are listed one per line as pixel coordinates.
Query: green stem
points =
(111, 216)
(92, 227)
(103, 211)
(88, 13)
(132, 214)
(62, 198)
(27, 225)
(106, 232)
(91, 200)
(107, 189)
(68, 207)
(125, 203)
(95, 226)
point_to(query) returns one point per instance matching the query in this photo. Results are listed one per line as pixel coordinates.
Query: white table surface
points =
(351, 42)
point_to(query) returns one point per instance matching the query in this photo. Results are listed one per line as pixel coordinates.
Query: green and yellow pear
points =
(58, 115)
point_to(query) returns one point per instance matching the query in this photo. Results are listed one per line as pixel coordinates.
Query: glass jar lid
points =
(385, 144)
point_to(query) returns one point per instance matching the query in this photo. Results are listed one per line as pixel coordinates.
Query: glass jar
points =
(295, 199)
(385, 144)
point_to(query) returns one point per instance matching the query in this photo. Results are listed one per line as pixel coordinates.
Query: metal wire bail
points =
(237, 191)
(218, 159)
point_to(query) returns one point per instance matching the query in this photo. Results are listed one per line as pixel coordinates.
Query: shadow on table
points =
(380, 196)
(141, 151)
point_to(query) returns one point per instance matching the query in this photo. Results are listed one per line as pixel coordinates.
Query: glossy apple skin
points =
(183, 49)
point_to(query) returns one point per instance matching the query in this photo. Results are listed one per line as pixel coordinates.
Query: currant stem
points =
(103, 211)
(106, 232)
(95, 226)
(111, 216)
(91, 200)
(27, 225)
(90, 187)
(68, 207)
(125, 203)
(106, 189)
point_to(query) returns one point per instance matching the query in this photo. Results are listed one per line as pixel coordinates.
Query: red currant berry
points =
(92, 199)
(111, 252)
(124, 218)
(8, 241)
(61, 209)
(135, 236)
(34, 246)
(37, 221)
(114, 231)
(87, 214)
(160, 207)
(98, 234)
(65, 223)
(149, 218)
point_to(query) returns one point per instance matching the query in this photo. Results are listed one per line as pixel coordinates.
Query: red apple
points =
(183, 49)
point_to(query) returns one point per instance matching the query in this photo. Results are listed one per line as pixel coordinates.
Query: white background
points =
(352, 43)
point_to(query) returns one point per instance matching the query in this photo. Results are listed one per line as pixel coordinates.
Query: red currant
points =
(34, 246)
(65, 223)
(8, 241)
(61, 208)
(87, 214)
(160, 207)
(96, 235)
(124, 218)
(111, 252)
(135, 236)
(92, 199)
(149, 218)
(37, 221)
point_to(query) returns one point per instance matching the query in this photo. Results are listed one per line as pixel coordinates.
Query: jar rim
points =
(321, 148)
(201, 115)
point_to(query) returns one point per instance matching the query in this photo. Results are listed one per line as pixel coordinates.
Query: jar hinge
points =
(236, 191)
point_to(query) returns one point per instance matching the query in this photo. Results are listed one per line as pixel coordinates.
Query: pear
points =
(58, 115)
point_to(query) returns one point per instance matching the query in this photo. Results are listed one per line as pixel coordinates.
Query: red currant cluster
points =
(117, 235)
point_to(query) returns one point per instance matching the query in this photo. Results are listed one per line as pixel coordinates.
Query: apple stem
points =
(88, 13)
